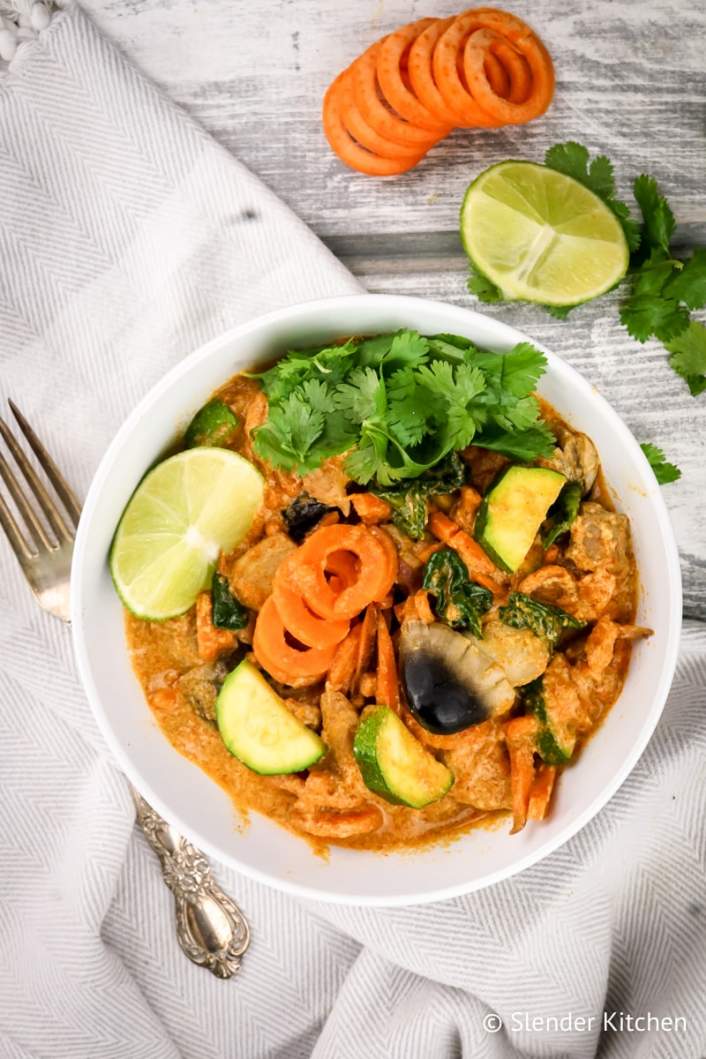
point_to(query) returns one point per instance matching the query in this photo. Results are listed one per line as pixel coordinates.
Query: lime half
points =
(540, 236)
(183, 513)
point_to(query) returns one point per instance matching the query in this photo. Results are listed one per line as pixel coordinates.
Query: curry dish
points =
(384, 663)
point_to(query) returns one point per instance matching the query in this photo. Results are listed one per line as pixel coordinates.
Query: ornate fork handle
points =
(210, 927)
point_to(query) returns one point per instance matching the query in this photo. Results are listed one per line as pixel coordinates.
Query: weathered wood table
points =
(631, 82)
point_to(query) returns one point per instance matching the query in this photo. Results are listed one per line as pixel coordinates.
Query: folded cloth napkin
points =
(127, 238)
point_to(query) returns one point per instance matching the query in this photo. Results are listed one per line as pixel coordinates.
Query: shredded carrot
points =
(424, 611)
(428, 551)
(552, 554)
(211, 642)
(343, 666)
(541, 792)
(445, 64)
(371, 509)
(366, 643)
(480, 566)
(442, 526)
(520, 735)
(392, 561)
(387, 692)
(376, 554)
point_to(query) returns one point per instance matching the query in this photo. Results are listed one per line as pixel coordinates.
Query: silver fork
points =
(210, 927)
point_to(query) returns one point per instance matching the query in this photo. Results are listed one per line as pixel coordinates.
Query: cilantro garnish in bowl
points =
(399, 404)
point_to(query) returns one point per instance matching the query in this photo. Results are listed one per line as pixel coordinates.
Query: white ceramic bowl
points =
(189, 799)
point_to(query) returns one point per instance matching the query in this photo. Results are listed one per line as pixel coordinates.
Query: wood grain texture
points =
(631, 81)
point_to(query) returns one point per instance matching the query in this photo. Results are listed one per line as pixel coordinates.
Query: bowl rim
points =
(184, 368)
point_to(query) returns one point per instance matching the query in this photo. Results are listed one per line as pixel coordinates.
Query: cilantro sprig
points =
(664, 472)
(399, 404)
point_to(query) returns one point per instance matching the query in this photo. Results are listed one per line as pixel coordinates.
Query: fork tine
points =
(24, 507)
(12, 532)
(54, 516)
(68, 497)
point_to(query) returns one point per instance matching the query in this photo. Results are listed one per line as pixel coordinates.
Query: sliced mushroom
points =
(450, 683)
(576, 458)
(520, 654)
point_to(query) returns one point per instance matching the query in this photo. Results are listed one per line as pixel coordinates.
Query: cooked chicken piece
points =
(520, 654)
(328, 484)
(305, 712)
(485, 465)
(552, 584)
(481, 768)
(600, 539)
(201, 685)
(575, 457)
(253, 573)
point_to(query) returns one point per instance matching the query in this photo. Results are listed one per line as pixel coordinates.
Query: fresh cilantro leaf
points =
(458, 601)
(544, 620)
(688, 356)
(520, 369)
(521, 445)
(664, 472)
(572, 159)
(658, 220)
(646, 314)
(483, 288)
(364, 397)
(290, 431)
(689, 284)
(562, 513)
(408, 350)
(411, 407)
(329, 364)
(559, 312)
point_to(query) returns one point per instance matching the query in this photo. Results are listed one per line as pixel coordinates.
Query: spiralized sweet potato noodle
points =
(511, 111)
(449, 50)
(366, 136)
(375, 112)
(350, 152)
(420, 65)
(392, 81)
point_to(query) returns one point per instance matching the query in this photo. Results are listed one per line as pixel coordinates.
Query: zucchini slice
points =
(259, 730)
(556, 740)
(395, 765)
(512, 511)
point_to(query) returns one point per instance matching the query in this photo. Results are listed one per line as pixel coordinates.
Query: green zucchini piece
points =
(259, 730)
(556, 739)
(395, 765)
(512, 511)
(215, 424)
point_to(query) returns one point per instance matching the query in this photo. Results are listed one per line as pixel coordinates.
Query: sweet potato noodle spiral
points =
(480, 69)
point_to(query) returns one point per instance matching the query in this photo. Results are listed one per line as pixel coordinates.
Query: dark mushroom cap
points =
(450, 684)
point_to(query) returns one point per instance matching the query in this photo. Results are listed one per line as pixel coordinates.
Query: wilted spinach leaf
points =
(459, 601)
(563, 512)
(409, 501)
(544, 620)
(228, 612)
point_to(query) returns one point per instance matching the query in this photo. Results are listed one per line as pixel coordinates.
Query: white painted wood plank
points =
(631, 81)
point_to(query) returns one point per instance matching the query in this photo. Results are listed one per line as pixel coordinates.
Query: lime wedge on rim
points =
(540, 236)
(182, 514)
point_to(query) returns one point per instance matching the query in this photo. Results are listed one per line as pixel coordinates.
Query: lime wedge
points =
(540, 236)
(183, 513)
